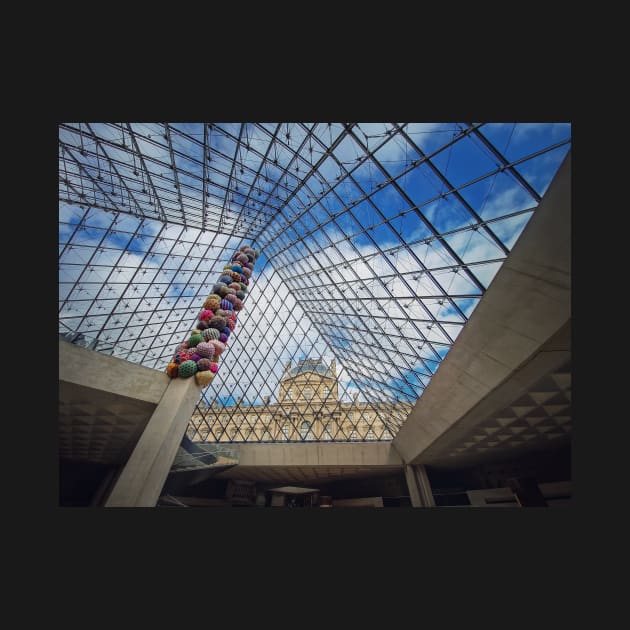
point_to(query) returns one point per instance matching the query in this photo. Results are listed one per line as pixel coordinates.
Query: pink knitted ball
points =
(238, 305)
(206, 314)
(232, 325)
(219, 346)
(214, 367)
(205, 350)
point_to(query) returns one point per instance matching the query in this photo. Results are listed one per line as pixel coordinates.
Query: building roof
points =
(309, 365)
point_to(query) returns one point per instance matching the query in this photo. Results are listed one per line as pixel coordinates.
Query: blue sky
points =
(416, 270)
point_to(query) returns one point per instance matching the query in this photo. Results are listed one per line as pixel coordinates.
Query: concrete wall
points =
(528, 302)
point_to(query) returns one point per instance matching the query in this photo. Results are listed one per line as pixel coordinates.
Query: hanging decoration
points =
(199, 355)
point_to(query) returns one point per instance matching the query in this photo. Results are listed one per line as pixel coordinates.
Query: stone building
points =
(307, 407)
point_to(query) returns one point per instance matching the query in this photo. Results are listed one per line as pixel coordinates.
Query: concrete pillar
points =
(144, 474)
(419, 486)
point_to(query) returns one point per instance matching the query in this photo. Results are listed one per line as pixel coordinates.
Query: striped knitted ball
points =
(212, 302)
(205, 350)
(187, 369)
(231, 298)
(194, 340)
(226, 305)
(203, 364)
(204, 378)
(172, 370)
(226, 278)
(211, 333)
(218, 322)
(214, 367)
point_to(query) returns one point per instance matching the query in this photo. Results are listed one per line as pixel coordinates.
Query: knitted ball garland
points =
(205, 350)
(172, 369)
(187, 369)
(226, 305)
(203, 364)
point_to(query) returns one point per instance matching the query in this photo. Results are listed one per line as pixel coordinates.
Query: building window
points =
(285, 431)
(305, 430)
(354, 435)
(370, 435)
(290, 393)
(326, 391)
(308, 393)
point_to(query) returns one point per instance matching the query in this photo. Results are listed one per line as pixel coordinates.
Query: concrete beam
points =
(144, 474)
(528, 302)
(101, 372)
(319, 454)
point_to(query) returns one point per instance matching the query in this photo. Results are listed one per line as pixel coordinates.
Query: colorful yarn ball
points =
(204, 378)
(205, 350)
(202, 324)
(223, 291)
(238, 306)
(247, 272)
(242, 258)
(240, 294)
(181, 346)
(232, 325)
(214, 367)
(226, 278)
(195, 356)
(226, 305)
(249, 266)
(243, 287)
(218, 322)
(237, 268)
(235, 285)
(231, 298)
(172, 369)
(227, 331)
(203, 364)
(187, 369)
(230, 291)
(223, 313)
(247, 249)
(206, 314)
(211, 333)
(219, 347)
(217, 285)
(223, 338)
(244, 280)
(212, 302)
(194, 340)
(180, 357)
